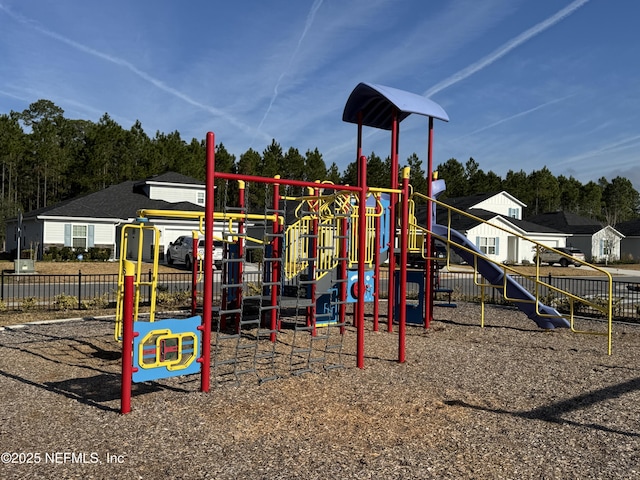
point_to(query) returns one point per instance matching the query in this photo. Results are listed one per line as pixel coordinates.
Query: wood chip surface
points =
(507, 401)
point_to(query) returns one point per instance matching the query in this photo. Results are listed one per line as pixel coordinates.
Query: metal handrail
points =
(607, 310)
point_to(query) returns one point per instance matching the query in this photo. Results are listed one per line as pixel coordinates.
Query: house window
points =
(79, 236)
(514, 213)
(200, 198)
(488, 245)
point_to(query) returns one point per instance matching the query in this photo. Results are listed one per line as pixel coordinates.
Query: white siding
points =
(104, 234)
(54, 232)
(486, 231)
(175, 194)
(598, 243)
(501, 204)
(510, 247)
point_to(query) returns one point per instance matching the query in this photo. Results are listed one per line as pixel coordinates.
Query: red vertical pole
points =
(127, 338)
(275, 264)
(362, 246)
(207, 293)
(428, 288)
(194, 275)
(404, 234)
(392, 220)
(353, 227)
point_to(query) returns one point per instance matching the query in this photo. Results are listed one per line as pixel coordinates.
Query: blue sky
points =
(526, 83)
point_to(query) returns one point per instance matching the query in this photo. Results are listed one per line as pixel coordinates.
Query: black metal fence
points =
(81, 291)
(625, 295)
(94, 291)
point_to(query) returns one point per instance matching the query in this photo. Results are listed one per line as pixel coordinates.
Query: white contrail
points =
(614, 147)
(506, 48)
(310, 17)
(517, 115)
(128, 65)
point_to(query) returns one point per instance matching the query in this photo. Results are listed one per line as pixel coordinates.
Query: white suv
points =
(181, 251)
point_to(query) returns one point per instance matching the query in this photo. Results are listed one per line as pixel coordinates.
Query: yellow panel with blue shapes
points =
(166, 348)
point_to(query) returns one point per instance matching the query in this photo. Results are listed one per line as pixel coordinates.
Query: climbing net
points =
(281, 311)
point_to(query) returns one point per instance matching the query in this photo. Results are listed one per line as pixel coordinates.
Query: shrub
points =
(98, 254)
(66, 253)
(65, 302)
(167, 299)
(29, 303)
(52, 253)
(96, 303)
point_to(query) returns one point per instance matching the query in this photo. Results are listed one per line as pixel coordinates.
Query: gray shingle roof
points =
(630, 228)
(120, 201)
(568, 222)
(463, 223)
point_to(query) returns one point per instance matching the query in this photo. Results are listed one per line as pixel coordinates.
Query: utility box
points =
(26, 265)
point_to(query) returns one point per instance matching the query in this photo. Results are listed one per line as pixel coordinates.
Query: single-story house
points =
(504, 210)
(600, 243)
(95, 220)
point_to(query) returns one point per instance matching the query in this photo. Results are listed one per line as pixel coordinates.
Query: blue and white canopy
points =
(376, 102)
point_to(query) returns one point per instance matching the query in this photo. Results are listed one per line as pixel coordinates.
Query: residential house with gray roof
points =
(599, 242)
(95, 220)
(498, 209)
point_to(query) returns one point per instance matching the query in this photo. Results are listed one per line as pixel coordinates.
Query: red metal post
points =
(404, 234)
(207, 293)
(127, 338)
(428, 287)
(353, 227)
(392, 220)
(362, 246)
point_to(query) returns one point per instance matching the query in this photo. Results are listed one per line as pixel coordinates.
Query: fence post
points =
(79, 289)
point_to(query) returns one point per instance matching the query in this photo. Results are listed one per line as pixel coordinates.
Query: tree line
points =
(47, 158)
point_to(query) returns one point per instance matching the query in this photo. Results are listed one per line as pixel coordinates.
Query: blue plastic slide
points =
(495, 275)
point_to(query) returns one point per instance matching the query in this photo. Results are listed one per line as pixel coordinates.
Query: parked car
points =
(570, 257)
(181, 251)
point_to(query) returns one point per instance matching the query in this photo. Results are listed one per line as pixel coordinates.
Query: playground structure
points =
(319, 253)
